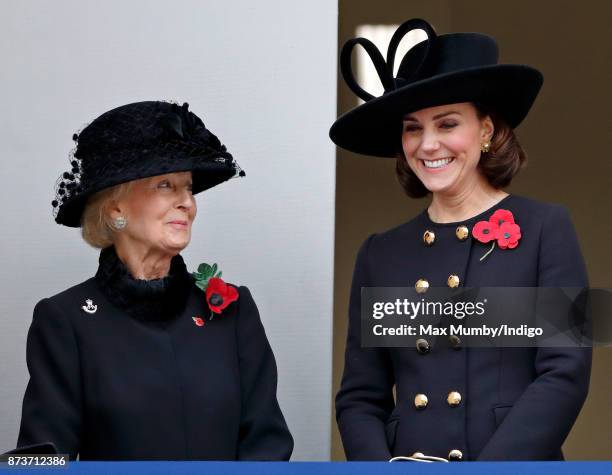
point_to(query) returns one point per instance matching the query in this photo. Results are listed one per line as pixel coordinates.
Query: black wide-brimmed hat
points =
(136, 141)
(445, 69)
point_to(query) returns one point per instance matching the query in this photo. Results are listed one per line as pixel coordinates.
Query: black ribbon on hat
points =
(184, 125)
(385, 69)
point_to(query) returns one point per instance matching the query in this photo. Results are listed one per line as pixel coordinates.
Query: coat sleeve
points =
(365, 399)
(540, 420)
(263, 431)
(52, 403)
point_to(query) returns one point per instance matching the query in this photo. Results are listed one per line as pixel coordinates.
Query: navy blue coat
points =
(123, 385)
(516, 403)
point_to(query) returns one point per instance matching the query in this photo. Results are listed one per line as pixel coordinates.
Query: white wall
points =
(262, 75)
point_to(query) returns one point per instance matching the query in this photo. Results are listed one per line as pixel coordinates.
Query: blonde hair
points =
(96, 224)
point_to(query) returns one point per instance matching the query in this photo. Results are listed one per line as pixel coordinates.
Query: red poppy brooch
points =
(500, 229)
(218, 294)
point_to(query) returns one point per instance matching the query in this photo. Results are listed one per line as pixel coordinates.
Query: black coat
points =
(517, 403)
(139, 379)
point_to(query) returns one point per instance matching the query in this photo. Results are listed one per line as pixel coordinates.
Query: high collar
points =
(157, 299)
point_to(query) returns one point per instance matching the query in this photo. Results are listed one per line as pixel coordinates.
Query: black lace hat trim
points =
(136, 141)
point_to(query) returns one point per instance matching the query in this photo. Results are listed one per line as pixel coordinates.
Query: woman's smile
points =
(438, 165)
(179, 224)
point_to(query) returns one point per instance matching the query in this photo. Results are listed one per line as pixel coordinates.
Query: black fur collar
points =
(158, 299)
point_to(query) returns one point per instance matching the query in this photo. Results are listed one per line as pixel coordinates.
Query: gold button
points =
(420, 401)
(455, 342)
(453, 281)
(429, 237)
(462, 233)
(422, 346)
(453, 399)
(421, 286)
(455, 455)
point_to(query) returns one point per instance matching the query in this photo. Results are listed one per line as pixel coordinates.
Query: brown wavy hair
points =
(499, 165)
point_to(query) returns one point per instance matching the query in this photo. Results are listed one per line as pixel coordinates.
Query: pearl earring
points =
(119, 223)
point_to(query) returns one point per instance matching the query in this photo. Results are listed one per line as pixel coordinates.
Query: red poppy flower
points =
(501, 216)
(485, 231)
(198, 321)
(508, 235)
(219, 295)
(500, 229)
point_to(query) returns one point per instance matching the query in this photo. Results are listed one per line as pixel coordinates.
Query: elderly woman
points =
(448, 119)
(146, 360)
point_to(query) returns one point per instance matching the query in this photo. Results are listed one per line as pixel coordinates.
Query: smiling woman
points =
(491, 138)
(160, 211)
(142, 202)
(146, 360)
(448, 119)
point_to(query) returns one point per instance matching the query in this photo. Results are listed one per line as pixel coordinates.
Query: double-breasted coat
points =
(124, 369)
(480, 403)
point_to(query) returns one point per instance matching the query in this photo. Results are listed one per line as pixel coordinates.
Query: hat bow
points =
(385, 69)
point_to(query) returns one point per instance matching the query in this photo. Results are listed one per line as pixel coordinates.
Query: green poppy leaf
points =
(204, 273)
(204, 268)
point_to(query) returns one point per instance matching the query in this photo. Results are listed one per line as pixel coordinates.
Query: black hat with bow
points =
(445, 69)
(136, 141)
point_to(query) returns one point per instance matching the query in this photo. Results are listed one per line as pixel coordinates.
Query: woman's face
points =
(159, 211)
(442, 145)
